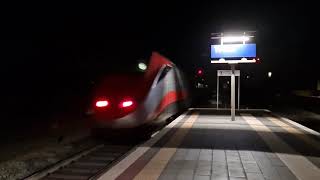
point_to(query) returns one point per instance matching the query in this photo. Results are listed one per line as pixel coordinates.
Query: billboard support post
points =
(233, 112)
(227, 73)
(217, 92)
(239, 93)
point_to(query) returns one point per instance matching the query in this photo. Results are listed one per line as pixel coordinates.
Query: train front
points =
(119, 100)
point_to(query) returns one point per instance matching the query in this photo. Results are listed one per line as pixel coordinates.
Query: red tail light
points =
(126, 103)
(102, 103)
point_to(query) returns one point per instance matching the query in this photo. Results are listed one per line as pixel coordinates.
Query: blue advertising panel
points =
(233, 51)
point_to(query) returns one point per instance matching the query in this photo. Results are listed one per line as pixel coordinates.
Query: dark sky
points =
(43, 33)
(57, 48)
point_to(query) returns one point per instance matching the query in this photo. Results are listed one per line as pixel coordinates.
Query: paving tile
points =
(184, 177)
(270, 173)
(232, 153)
(248, 160)
(167, 176)
(251, 168)
(262, 160)
(218, 155)
(219, 171)
(246, 157)
(175, 164)
(219, 176)
(180, 154)
(255, 176)
(234, 165)
(244, 153)
(271, 155)
(236, 173)
(204, 165)
(206, 151)
(205, 157)
(204, 162)
(276, 162)
(233, 158)
(219, 163)
(219, 158)
(285, 173)
(199, 177)
(192, 154)
(222, 168)
(186, 171)
(237, 178)
(189, 165)
(203, 172)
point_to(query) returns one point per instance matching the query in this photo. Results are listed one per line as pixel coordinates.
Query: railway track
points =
(84, 165)
(90, 163)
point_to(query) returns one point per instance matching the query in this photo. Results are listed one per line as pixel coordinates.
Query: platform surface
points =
(204, 144)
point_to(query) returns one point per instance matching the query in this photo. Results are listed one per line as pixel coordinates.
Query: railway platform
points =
(204, 144)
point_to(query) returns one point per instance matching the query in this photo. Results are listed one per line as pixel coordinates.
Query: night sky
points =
(53, 52)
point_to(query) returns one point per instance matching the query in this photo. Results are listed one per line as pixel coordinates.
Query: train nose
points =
(113, 108)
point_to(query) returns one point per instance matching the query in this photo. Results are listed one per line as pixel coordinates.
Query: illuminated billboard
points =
(233, 51)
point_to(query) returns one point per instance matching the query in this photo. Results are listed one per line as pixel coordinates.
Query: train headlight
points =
(142, 66)
(104, 103)
(126, 103)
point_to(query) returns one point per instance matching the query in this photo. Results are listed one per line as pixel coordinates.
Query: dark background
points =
(52, 53)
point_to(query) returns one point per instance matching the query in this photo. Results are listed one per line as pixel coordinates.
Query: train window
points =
(164, 72)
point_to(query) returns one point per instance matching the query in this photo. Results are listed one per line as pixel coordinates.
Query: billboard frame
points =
(241, 38)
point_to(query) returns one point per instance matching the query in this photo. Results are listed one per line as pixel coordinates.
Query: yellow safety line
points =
(156, 165)
(300, 134)
(125, 163)
(299, 165)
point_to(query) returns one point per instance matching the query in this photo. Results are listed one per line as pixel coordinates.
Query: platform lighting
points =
(269, 74)
(230, 39)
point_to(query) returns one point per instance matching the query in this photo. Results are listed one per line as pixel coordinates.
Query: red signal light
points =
(103, 103)
(258, 61)
(199, 72)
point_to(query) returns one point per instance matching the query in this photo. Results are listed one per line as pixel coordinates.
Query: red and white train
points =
(129, 101)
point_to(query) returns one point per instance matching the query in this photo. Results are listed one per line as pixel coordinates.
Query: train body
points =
(128, 101)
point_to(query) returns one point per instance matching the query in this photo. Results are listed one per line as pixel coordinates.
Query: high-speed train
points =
(128, 101)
